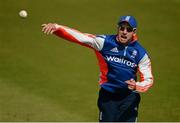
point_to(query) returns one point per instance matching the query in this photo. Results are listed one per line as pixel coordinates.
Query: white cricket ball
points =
(23, 14)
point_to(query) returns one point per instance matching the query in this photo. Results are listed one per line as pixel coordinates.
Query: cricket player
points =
(120, 58)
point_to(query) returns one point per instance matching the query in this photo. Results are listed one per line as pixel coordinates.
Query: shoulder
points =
(139, 47)
(141, 51)
(107, 39)
(101, 36)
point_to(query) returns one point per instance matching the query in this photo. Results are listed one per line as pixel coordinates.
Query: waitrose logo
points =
(121, 60)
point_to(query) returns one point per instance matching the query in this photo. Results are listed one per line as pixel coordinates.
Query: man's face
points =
(125, 33)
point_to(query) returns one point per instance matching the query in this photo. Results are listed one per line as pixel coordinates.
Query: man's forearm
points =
(146, 77)
(72, 35)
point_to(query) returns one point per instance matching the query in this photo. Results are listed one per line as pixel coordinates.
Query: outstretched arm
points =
(73, 35)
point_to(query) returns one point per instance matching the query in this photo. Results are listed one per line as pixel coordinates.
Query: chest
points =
(117, 51)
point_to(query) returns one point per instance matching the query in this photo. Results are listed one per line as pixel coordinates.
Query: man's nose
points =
(125, 31)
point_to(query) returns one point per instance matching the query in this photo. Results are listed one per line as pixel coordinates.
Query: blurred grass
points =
(45, 78)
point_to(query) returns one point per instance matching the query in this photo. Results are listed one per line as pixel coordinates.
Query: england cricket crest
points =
(134, 53)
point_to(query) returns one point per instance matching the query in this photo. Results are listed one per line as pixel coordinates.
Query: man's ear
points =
(135, 30)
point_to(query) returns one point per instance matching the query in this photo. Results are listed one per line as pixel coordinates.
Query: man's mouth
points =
(123, 36)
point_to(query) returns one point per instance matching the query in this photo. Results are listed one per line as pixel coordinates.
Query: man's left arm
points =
(146, 77)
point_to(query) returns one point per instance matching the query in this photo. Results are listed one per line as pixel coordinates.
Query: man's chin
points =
(122, 40)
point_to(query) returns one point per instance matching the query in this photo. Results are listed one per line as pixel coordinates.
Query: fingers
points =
(49, 28)
(52, 31)
(44, 26)
(131, 87)
(131, 84)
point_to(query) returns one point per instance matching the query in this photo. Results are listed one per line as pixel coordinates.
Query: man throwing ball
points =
(120, 57)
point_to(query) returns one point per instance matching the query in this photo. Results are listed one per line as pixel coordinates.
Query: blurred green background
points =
(45, 78)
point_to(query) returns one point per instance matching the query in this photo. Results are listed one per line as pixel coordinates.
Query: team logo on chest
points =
(134, 53)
